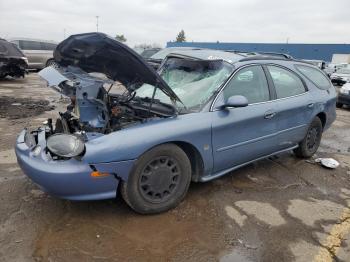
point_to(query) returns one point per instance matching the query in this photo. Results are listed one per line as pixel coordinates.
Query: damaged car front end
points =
(93, 146)
(12, 61)
(62, 157)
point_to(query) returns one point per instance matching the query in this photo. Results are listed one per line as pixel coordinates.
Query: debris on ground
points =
(247, 245)
(254, 179)
(327, 162)
(15, 108)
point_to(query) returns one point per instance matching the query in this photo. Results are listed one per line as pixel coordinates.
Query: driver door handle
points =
(269, 114)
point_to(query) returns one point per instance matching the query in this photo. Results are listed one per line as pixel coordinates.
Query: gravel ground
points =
(278, 209)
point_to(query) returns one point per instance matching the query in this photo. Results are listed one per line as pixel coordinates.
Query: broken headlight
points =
(65, 145)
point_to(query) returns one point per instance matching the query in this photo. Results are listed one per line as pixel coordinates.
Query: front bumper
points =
(343, 99)
(68, 179)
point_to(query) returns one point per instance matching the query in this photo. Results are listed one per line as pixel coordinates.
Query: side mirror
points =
(236, 101)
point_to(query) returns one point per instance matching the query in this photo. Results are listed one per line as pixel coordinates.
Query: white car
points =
(38, 52)
(341, 76)
(344, 95)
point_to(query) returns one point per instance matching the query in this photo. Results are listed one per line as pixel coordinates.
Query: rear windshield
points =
(193, 81)
(9, 49)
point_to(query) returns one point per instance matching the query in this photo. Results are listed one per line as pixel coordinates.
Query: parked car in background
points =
(319, 63)
(138, 50)
(341, 76)
(330, 69)
(202, 115)
(38, 52)
(344, 95)
(12, 61)
(147, 53)
(156, 59)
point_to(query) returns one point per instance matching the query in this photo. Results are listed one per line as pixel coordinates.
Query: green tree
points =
(120, 38)
(181, 36)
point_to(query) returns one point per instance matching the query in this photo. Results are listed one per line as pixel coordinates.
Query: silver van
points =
(39, 52)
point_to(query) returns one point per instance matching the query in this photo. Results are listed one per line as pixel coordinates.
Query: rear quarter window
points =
(314, 75)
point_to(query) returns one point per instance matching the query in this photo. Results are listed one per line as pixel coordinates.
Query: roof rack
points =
(268, 56)
(244, 53)
(276, 54)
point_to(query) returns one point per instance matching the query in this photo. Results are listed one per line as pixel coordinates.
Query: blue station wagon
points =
(202, 115)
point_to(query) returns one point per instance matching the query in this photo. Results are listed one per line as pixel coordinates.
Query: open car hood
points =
(97, 52)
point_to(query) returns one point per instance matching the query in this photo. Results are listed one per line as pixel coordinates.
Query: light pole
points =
(97, 23)
(64, 33)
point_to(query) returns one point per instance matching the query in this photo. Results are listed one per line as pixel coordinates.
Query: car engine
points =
(93, 108)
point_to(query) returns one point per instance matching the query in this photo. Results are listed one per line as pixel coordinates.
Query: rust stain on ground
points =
(331, 245)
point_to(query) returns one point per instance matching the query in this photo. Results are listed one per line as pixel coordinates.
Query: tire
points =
(159, 180)
(339, 105)
(309, 145)
(52, 63)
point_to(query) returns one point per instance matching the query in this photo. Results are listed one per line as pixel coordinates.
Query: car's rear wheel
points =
(158, 181)
(339, 105)
(309, 145)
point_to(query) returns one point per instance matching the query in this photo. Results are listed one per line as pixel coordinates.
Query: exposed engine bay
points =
(94, 108)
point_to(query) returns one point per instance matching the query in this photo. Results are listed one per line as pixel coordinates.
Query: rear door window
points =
(286, 82)
(48, 46)
(29, 45)
(314, 75)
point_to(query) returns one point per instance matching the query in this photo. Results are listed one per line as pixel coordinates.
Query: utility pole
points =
(97, 23)
(64, 33)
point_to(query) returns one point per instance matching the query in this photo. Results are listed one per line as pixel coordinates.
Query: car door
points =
(243, 134)
(295, 105)
(47, 52)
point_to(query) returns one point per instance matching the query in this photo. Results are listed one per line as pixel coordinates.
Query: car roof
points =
(161, 54)
(32, 39)
(209, 54)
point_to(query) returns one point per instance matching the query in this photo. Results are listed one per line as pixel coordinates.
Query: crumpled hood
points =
(97, 52)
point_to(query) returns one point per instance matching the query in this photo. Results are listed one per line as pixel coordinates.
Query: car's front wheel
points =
(309, 145)
(158, 181)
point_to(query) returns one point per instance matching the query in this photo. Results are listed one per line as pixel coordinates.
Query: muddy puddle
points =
(15, 108)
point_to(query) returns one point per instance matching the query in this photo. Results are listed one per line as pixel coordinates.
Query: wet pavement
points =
(278, 209)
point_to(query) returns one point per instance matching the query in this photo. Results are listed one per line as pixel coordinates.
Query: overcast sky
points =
(158, 21)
